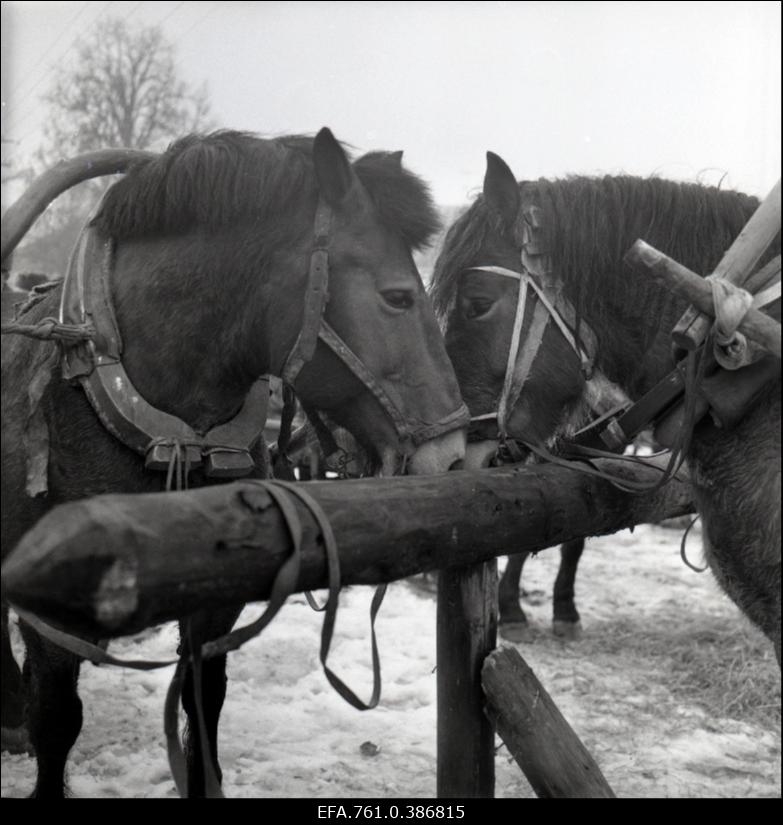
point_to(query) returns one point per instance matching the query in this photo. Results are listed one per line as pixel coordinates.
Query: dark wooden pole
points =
(114, 564)
(21, 215)
(467, 634)
(736, 264)
(680, 280)
(537, 735)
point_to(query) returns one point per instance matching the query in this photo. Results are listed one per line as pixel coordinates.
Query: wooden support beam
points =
(114, 564)
(537, 735)
(758, 326)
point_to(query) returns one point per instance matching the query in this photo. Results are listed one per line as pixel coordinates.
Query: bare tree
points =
(124, 91)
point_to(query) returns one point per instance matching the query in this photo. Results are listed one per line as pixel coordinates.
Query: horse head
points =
(518, 374)
(234, 257)
(380, 368)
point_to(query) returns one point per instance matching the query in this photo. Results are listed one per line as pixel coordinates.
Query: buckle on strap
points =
(316, 297)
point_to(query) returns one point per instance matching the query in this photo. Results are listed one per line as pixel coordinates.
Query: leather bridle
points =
(618, 419)
(522, 352)
(315, 328)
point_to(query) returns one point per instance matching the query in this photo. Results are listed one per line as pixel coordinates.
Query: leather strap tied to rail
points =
(285, 583)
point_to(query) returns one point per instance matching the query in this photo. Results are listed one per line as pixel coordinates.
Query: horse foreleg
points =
(14, 731)
(508, 591)
(566, 622)
(54, 710)
(205, 627)
(512, 621)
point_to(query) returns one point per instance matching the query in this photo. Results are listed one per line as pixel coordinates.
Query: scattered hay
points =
(731, 672)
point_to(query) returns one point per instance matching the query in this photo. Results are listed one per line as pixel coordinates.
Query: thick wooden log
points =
(735, 266)
(114, 564)
(761, 328)
(21, 215)
(466, 635)
(537, 735)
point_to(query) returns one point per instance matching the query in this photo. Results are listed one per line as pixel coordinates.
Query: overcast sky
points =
(683, 90)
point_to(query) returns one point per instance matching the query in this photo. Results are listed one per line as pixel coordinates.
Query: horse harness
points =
(727, 395)
(225, 450)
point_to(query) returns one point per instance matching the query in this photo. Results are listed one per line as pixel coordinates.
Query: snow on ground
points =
(284, 732)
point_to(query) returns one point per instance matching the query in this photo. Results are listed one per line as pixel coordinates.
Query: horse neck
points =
(191, 312)
(634, 347)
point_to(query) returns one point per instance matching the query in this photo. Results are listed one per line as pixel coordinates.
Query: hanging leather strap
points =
(286, 582)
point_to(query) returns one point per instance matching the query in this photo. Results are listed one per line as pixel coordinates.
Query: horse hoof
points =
(16, 740)
(517, 632)
(570, 631)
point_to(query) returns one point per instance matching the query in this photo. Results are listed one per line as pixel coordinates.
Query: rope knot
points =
(731, 305)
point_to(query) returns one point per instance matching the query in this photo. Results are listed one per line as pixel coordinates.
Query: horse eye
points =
(398, 298)
(476, 307)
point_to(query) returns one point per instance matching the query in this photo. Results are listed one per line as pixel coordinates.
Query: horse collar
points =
(225, 450)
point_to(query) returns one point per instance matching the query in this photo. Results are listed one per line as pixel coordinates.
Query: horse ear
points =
(332, 167)
(500, 188)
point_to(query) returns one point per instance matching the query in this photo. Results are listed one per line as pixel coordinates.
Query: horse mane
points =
(464, 241)
(229, 177)
(589, 224)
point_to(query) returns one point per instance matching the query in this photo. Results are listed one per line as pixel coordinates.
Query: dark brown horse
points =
(212, 243)
(575, 232)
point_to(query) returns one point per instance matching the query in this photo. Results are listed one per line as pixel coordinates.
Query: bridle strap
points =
(315, 327)
(316, 297)
(358, 368)
(518, 370)
(584, 358)
(513, 349)
(524, 361)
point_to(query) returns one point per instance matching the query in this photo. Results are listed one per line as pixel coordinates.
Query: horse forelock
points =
(465, 242)
(402, 200)
(229, 177)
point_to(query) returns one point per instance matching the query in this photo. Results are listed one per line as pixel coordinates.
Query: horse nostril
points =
(459, 464)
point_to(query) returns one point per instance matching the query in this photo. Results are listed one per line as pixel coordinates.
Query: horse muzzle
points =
(439, 454)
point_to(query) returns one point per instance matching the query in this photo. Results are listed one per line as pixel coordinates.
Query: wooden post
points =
(757, 234)
(758, 326)
(467, 634)
(550, 754)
